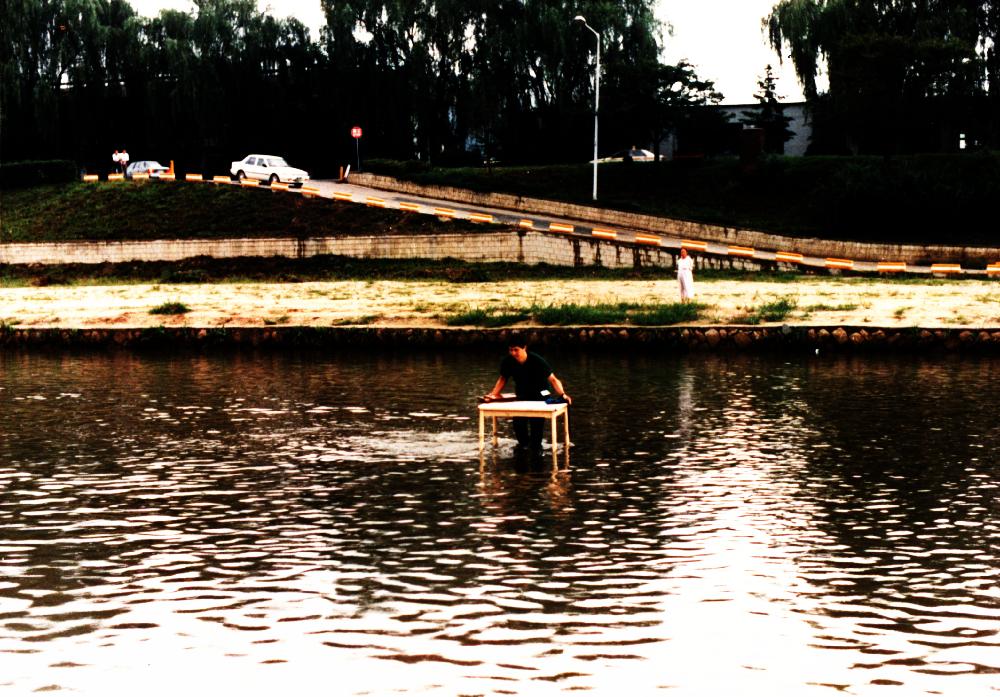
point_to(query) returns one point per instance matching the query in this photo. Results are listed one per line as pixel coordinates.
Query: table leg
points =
(495, 438)
(482, 428)
(566, 428)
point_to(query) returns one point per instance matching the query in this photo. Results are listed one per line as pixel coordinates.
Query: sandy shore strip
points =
(824, 301)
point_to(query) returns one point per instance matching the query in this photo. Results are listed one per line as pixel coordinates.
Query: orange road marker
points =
(525, 223)
(310, 191)
(885, 266)
(444, 212)
(279, 186)
(694, 244)
(833, 263)
(90, 177)
(375, 202)
(734, 251)
(946, 268)
(606, 234)
(343, 195)
(993, 269)
(249, 182)
(788, 257)
(480, 217)
(647, 239)
(140, 176)
(116, 177)
(560, 227)
(168, 177)
(407, 206)
(193, 177)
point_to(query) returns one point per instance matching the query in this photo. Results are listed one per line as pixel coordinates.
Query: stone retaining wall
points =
(676, 339)
(969, 257)
(491, 245)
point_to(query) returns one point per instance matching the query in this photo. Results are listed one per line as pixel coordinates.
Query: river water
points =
(322, 524)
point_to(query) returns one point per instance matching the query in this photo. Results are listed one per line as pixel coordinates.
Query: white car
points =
(631, 155)
(268, 168)
(151, 167)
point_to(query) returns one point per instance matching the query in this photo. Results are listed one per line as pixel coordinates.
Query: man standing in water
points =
(532, 376)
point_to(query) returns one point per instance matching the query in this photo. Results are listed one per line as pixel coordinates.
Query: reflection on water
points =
(325, 525)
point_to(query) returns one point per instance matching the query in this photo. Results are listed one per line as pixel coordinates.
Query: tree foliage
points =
(445, 81)
(904, 75)
(770, 117)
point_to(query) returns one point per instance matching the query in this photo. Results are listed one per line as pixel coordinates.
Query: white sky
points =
(721, 38)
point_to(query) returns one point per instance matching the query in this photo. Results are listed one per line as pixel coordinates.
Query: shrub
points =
(170, 308)
(15, 175)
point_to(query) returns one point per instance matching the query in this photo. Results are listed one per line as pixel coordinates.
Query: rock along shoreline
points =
(783, 338)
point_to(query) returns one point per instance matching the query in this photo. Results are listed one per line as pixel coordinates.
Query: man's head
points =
(517, 346)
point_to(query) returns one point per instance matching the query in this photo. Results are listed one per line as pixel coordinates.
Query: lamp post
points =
(597, 91)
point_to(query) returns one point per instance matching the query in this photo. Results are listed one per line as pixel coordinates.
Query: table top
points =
(518, 407)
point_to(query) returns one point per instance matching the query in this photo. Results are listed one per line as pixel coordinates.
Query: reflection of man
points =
(532, 377)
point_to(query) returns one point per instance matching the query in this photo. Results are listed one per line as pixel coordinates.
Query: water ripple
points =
(725, 523)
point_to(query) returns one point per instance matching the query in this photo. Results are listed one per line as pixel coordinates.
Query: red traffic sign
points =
(356, 132)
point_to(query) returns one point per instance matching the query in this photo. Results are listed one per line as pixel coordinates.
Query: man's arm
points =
(497, 389)
(558, 387)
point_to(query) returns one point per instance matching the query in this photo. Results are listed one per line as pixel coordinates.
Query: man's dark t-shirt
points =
(530, 377)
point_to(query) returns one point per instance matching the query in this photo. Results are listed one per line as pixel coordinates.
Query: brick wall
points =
(525, 246)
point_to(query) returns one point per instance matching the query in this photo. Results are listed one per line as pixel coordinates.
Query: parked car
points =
(268, 168)
(151, 167)
(633, 155)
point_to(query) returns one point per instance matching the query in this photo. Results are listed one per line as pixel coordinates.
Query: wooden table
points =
(530, 409)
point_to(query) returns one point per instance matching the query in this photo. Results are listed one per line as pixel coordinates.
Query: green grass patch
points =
(181, 210)
(170, 308)
(824, 307)
(571, 314)
(485, 317)
(773, 311)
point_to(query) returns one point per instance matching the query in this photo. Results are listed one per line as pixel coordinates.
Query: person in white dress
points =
(685, 276)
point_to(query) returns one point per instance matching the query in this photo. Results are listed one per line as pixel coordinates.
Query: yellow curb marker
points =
(833, 263)
(946, 268)
(886, 266)
(694, 244)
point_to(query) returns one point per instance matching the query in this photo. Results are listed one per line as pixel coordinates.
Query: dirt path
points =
(826, 302)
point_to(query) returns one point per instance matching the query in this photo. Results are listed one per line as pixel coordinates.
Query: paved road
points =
(430, 206)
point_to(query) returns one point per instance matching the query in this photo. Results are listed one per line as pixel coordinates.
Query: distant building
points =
(801, 127)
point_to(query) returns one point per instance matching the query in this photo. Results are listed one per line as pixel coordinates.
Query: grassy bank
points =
(341, 268)
(919, 199)
(159, 210)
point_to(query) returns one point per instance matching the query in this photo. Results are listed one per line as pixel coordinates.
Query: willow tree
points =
(509, 76)
(898, 69)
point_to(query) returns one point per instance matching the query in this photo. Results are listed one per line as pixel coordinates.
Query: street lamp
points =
(597, 91)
